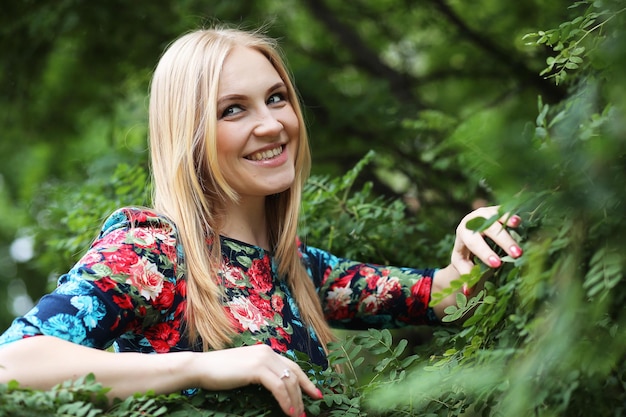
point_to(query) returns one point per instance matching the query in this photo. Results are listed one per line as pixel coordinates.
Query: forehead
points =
(246, 68)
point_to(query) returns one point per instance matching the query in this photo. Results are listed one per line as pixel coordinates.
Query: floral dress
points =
(129, 291)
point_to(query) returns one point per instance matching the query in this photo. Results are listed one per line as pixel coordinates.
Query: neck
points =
(246, 221)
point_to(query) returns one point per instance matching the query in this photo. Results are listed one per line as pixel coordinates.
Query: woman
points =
(214, 278)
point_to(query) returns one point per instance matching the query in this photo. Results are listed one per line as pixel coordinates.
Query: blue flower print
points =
(70, 285)
(17, 331)
(65, 326)
(90, 309)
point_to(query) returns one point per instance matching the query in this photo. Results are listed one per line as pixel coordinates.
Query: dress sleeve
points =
(358, 295)
(126, 282)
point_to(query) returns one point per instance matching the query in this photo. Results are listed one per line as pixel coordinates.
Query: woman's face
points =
(257, 128)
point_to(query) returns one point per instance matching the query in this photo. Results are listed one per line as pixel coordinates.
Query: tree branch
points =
(551, 92)
(401, 85)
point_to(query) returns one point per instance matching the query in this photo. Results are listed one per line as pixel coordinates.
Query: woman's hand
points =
(257, 364)
(468, 244)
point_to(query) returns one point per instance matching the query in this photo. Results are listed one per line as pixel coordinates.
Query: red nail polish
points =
(516, 251)
(292, 410)
(466, 290)
(515, 220)
(319, 394)
(494, 261)
(303, 415)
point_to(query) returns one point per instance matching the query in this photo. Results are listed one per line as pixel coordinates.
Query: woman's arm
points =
(41, 362)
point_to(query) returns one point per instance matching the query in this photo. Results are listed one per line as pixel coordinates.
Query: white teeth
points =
(260, 156)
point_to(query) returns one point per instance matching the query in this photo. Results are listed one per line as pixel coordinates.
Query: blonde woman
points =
(213, 278)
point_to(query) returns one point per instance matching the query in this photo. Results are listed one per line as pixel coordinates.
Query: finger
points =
(290, 380)
(287, 402)
(504, 240)
(473, 244)
(280, 376)
(301, 378)
(510, 220)
(298, 382)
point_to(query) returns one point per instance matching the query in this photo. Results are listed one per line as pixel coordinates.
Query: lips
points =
(265, 155)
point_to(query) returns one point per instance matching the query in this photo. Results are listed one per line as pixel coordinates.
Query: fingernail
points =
(319, 394)
(516, 251)
(292, 410)
(303, 415)
(466, 290)
(494, 261)
(515, 220)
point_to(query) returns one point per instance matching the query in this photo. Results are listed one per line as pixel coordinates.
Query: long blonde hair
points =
(190, 188)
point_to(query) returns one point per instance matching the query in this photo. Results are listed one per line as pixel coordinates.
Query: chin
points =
(278, 190)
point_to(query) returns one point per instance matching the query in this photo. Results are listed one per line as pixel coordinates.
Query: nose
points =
(268, 124)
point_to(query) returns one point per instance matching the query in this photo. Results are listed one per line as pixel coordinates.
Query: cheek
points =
(225, 142)
(292, 126)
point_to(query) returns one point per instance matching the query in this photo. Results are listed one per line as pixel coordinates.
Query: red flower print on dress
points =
(148, 237)
(277, 303)
(170, 252)
(92, 257)
(181, 287)
(385, 290)
(372, 278)
(123, 301)
(326, 275)
(113, 239)
(115, 324)
(164, 235)
(277, 345)
(231, 276)
(345, 280)
(181, 309)
(367, 272)
(121, 259)
(337, 302)
(246, 314)
(165, 299)
(138, 216)
(260, 274)
(146, 277)
(283, 334)
(418, 301)
(263, 305)
(142, 237)
(105, 284)
(162, 337)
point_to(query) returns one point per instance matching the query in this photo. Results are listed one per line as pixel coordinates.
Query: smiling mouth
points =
(265, 155)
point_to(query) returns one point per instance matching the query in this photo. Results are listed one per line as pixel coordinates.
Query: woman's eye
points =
(231, 111)
(276, 98)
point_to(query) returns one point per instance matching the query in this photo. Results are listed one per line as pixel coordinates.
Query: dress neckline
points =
(262, 252)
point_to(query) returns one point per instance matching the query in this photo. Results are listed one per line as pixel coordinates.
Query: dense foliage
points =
(548, 333)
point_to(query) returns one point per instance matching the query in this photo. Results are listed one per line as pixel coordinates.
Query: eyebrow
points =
(236, 97)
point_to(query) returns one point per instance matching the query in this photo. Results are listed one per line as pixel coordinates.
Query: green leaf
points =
(461, 300)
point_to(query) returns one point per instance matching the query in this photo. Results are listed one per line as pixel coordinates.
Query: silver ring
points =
(285, 374)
